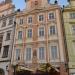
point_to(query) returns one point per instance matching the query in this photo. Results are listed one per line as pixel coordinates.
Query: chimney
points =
(8, 1)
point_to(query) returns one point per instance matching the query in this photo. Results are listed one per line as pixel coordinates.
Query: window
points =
(41, 17)
(20, 35)
(1, 40)
(1, 37)
(10, 20)
(4, 23)
(73, 46)
(21, 21)
(72, 74)
(52, 30)
(29, 19)
(17, 54)
(54, 52)
(8, 35)
(41, 32)
(51, 16)
(41, 53)
(5, 51)
(29, 33)
(28, 54)
(0, 48)
(72, 15)
(73, 29)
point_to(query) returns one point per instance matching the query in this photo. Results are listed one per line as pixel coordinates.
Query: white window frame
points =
(28, 61)
(50, 53)
(52, 31)
(72, 73)
(27, 33)
(10, 19)
(73, 45)
(17, 53)
(41, 61)
(18, 34)
(21, 21)
(73, 28)
(51, 18)
(43, 17)
(39, 30)
(72, 15)
(8, 32)
(28, 19)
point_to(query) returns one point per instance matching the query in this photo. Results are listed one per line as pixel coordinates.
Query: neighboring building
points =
(7, 18)
(69, 27)
(39, 37)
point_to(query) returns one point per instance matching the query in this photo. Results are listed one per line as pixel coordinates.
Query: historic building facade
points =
(39, 37)
(69, 27)
(6, 35)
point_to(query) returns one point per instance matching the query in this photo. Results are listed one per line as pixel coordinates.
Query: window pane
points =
(73, 29)
(41, 17)
(52, 30)
(41, 31)
(51, 16)
(0, 48)
(73, 45)
(28, 54)
(21, 21)
(4, 23)
(30, 20)
(29, 33)
(8, 35)
(72, 15)
(5, 51)
(10, 20)
(20, 35)
(1, 40)
(17, 54)
(1, 37)
(41, 53)
(54, 52)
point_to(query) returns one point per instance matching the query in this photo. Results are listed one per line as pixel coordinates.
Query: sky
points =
(20, 4)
